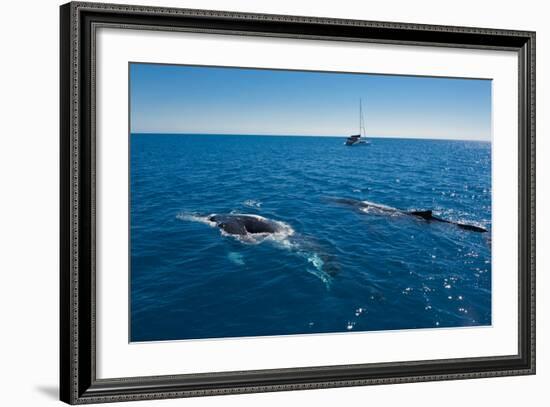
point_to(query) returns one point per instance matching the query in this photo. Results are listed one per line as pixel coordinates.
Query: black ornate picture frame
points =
(78, 381)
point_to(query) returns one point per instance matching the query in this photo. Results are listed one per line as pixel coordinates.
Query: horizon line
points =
(306, 135)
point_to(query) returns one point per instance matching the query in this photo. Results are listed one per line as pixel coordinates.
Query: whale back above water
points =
(243, 224)
(423, 214)
(427, 215)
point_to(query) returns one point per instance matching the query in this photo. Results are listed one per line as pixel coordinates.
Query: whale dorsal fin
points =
(423, 214)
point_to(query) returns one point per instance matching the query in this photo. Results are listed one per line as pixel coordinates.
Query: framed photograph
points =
(255, 203)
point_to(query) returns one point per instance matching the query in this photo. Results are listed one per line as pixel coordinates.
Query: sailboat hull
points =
(356, 141)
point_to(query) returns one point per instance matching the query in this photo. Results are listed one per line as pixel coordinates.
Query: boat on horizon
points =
(358, 139)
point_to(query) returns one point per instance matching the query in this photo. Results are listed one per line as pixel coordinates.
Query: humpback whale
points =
(255, 229)
(427, 215)
(240, 224)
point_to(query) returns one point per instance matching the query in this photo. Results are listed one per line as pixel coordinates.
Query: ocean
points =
(331, 267)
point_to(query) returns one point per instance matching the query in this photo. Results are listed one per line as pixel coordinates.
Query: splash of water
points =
(251, 203)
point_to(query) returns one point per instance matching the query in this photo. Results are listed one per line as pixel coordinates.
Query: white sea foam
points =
(321, 275)
(377, 208)
(317, 262)
(251, 203)
(192, 217)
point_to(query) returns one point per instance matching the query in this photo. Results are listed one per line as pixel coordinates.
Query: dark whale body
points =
(244, 224)
(427, 215)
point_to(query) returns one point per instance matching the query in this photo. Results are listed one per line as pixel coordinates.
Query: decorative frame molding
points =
(78, 382)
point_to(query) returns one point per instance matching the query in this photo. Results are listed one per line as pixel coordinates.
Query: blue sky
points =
(194, 99)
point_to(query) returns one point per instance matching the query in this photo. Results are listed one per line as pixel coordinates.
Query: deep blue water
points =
(335, 268)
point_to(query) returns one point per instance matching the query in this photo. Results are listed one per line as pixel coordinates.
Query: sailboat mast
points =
(360, 116)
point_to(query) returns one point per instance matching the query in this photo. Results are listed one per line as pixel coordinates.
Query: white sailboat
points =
(359, 139)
